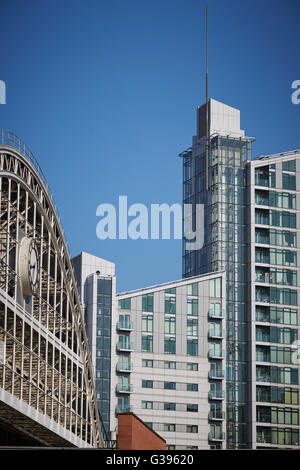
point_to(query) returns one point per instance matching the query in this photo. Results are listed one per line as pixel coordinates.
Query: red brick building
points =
(134, 434)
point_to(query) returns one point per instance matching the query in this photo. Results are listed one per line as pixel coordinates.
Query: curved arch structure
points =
(46, 382)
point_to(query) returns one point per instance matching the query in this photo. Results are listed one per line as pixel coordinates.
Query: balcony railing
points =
(125, 347)
(261, 180)
(217, 314)
(124, 388)
(218, 436)
(125, 325)
(262, 298)
(124, 409)
(212, 353)
(262, 357)
(124, 367)
(216, 374)
(263, 378)
(263, 317)
(262, 259)
(261, 201)
(216, 395)
(216, 415)
(263, 338)
(215, 333)
(262, 277)
(261, 239)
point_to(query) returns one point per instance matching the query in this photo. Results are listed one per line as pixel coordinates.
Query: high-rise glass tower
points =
(225, 241)
(252, 232)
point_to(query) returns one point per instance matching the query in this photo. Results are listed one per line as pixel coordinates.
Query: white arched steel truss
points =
(46, 382)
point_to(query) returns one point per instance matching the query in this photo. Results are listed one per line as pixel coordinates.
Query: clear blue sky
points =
(104, 92)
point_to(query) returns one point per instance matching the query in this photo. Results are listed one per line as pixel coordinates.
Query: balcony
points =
(262, 275)
(216, 333)
(215, 314)
(262, 294)
(124, 346)
(124, 409)
(216, 395)
(216, 436)
(264, 318)
(262, 236)
(125, 326)
(124, 367)
(263, 338)
(262, 216)
(263, 378)
(216, 374)
(262, 258)
(215, 354)
(261, 200)
(124, 388)
(216, 415)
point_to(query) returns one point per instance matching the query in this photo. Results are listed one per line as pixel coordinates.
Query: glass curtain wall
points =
(224, 248)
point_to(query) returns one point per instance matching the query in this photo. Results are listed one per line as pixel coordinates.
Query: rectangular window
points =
(171, 291)
(170, 346)
(215, 287)
(288, 181)
(147, 323)
(170, 406)
(283, 296)
(170, 385)
(170, 305)
(192, 327)
(283, 315)
(191, 428)
(169, 427)
(192, 366)
(170, 365)
(147, 343)
(192, 307)
(192, 289)
(192, 387)
(170, 325)
(147, 303)
(191, 407)
(290, 165)
(281, 257)
(192, 347)
(124, 321)
(124, 341)
(147, 383)
(147, 363)
(215, 309)
(125, 304)
(276, 199)
(282, 219)
(147, 405)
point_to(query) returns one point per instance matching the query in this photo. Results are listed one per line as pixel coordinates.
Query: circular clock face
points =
(28, 266)
(33, 267)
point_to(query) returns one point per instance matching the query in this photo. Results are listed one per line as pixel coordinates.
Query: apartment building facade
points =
(170, 360)
(166, 354)
(251, 231)
(96, 282)
(274, 194)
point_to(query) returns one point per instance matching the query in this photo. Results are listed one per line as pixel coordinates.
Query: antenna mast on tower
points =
(206, 143)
